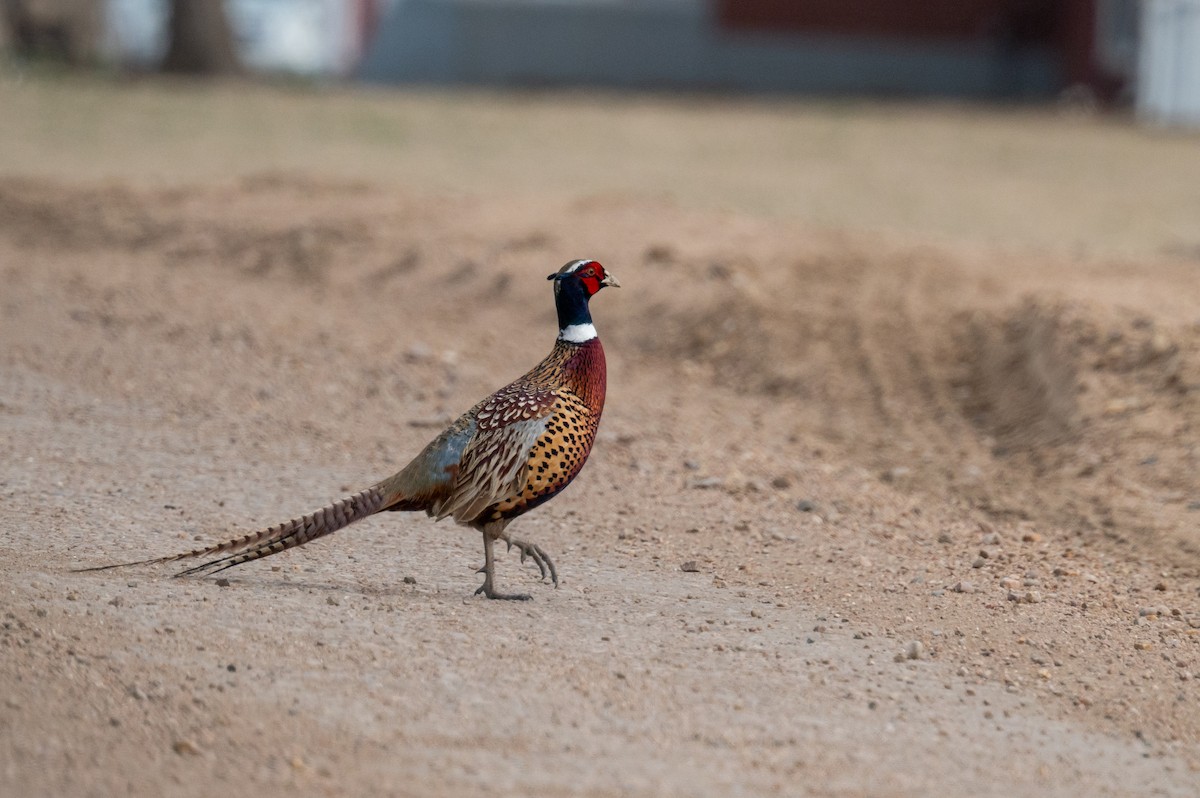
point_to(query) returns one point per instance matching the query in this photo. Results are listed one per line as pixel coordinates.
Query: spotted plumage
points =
(511, 452)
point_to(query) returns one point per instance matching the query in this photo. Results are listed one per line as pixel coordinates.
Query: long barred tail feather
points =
(274, 539)
(297, 532)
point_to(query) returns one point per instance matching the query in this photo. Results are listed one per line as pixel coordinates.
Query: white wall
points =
(1168, 83)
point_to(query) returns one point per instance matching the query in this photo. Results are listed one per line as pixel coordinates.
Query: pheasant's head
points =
(588, 273)
(574, 284)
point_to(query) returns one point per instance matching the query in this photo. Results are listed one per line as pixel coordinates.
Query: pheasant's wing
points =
(507, 425)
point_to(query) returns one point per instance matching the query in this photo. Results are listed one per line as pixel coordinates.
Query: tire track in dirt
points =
(916, 367)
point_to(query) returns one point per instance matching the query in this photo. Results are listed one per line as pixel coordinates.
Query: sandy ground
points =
(871, 513)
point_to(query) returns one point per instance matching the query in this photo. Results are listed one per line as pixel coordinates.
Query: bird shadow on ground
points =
(386, 590)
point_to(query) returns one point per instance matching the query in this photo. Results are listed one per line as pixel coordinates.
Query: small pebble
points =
(1160, 344)
(806, 506)
(410, 580)
(222, 581)
(419, 351)
(690, 567)
(964, 587)
(188, 747)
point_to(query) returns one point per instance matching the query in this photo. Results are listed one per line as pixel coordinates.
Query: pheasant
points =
(513, 451)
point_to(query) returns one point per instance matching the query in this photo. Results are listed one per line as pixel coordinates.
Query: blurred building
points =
(963, 48)
(1087, 51)
(1168, 84)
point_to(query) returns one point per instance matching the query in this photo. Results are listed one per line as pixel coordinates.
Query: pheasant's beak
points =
(609, 279)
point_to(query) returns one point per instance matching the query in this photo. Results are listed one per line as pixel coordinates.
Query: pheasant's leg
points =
(489, 569)
(534, 552)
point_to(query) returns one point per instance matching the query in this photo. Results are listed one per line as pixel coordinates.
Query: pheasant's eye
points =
(590, 272)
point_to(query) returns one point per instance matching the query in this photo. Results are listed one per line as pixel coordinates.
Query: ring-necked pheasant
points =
(511, 452)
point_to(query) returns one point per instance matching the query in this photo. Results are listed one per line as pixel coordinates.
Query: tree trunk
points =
(201, 39)
(64, 30)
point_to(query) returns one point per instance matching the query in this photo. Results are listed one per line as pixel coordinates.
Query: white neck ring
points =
(577, 333)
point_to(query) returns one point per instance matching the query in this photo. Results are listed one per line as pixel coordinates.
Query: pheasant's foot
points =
(540, 558)
(489, 571)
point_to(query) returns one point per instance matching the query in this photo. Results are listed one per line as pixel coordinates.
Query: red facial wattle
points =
(591, 274)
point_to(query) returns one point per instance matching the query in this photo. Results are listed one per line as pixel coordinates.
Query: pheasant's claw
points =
(540, 558)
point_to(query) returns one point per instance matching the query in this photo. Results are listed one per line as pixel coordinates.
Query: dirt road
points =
(867, 516)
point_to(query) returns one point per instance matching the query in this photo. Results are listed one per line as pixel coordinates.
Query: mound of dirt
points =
(1040, 407)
